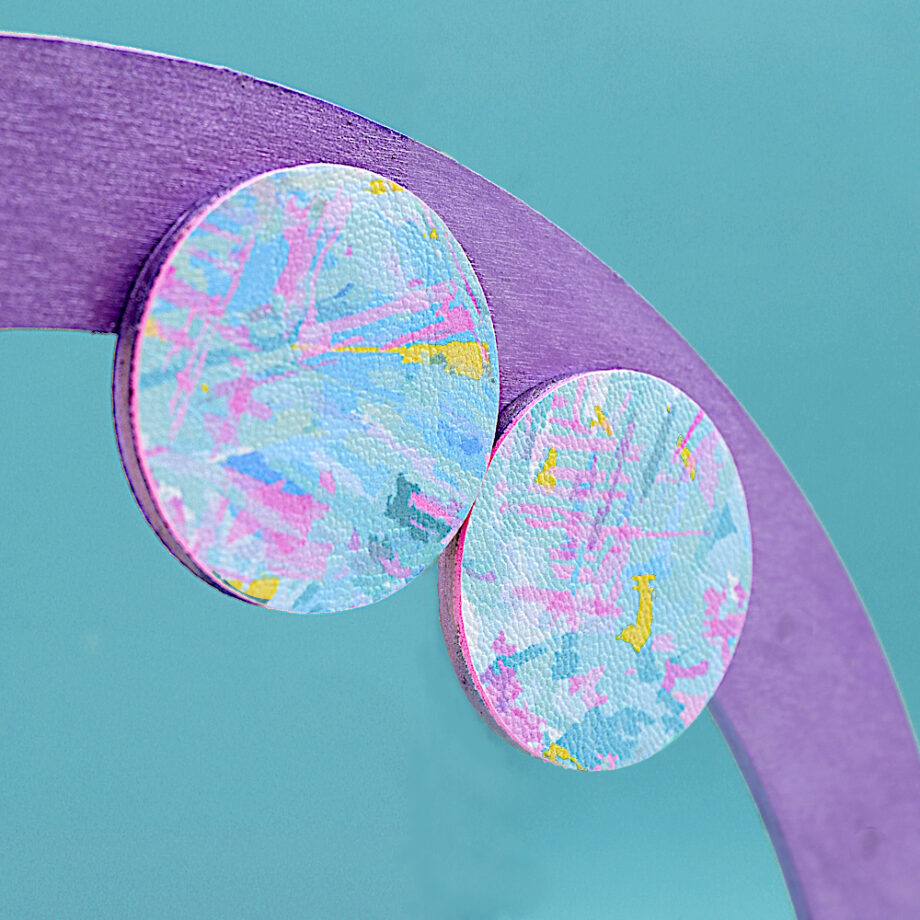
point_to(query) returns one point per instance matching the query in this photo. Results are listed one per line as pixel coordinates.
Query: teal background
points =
(753, 171)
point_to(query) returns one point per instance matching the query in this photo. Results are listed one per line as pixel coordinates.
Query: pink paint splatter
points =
(587, 684)
(674, 671)
(663, 643)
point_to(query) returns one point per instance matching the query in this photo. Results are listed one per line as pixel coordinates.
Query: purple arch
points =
(102, 149)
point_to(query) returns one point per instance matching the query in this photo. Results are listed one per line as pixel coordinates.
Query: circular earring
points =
(306, 388)
(596, 594)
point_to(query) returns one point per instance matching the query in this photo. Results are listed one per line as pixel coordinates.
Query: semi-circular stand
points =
(102, 149)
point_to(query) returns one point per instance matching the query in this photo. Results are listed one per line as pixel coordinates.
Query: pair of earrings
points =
(307, 394)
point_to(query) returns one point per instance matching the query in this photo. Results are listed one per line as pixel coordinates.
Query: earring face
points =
(314, 389)
(601, 582)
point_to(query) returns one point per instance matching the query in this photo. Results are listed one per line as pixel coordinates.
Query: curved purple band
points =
(103, 149)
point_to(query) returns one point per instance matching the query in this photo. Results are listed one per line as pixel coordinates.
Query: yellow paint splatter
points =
(260, 589)
(151, 329)
(381, 186)
(204, 387)
(687, 457)
(557, 754)
(263, 589)
(464, 358)
(434, 234)
(637, 633)
(545, 477)
(601, 421)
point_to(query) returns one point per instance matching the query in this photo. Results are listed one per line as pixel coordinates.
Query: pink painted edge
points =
(125, 374)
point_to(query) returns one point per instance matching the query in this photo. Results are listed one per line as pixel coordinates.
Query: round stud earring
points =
(306, 388)
(595, 596)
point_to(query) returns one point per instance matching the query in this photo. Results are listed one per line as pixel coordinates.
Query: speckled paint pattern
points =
(604, 572)
(315, 388)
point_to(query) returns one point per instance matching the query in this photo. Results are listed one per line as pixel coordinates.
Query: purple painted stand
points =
(102, 149)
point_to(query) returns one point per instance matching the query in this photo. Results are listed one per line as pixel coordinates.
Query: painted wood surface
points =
(103, 149)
